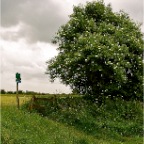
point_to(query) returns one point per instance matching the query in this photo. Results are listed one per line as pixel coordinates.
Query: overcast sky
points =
(27, 28)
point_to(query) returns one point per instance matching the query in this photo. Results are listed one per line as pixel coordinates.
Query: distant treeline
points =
(22, 92)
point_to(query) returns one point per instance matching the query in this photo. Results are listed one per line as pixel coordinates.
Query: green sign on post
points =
(18, 80)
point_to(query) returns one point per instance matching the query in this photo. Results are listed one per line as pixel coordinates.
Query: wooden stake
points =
(17, 97)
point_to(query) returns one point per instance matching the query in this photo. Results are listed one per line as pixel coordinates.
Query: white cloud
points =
(132, 7)
(29, 60)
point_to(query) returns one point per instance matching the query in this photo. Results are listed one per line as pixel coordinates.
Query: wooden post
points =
(17, 97)
(31, 105)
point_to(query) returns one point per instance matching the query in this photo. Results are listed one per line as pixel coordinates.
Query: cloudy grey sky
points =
(27, 28)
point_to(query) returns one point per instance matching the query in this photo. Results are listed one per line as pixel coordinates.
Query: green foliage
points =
(115, 120)
(3, 91)
(73, 120)
(21, 127)
(100, 53)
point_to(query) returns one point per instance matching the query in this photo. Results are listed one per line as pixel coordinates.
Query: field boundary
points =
(35, 99)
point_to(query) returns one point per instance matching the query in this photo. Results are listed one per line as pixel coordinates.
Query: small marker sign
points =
(18, 80)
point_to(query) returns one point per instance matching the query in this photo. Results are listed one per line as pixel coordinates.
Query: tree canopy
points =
(100, 53)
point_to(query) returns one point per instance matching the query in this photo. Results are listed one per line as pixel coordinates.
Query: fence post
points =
(32, 103)
(17, 97)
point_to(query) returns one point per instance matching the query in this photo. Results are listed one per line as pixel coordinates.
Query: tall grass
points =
(21, 127)
(115, 120)
(72, 120)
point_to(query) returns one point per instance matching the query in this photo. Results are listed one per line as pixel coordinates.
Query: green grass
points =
(21, 127)
(117, 121)
(73, 121)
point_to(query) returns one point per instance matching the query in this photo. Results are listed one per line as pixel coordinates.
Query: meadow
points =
(72, 120)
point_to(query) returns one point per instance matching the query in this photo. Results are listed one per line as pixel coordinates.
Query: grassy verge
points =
(72, 121)
(118, 121)
(20, 127)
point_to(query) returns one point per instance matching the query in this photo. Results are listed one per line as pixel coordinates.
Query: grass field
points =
(10, 100)
(71, 121)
